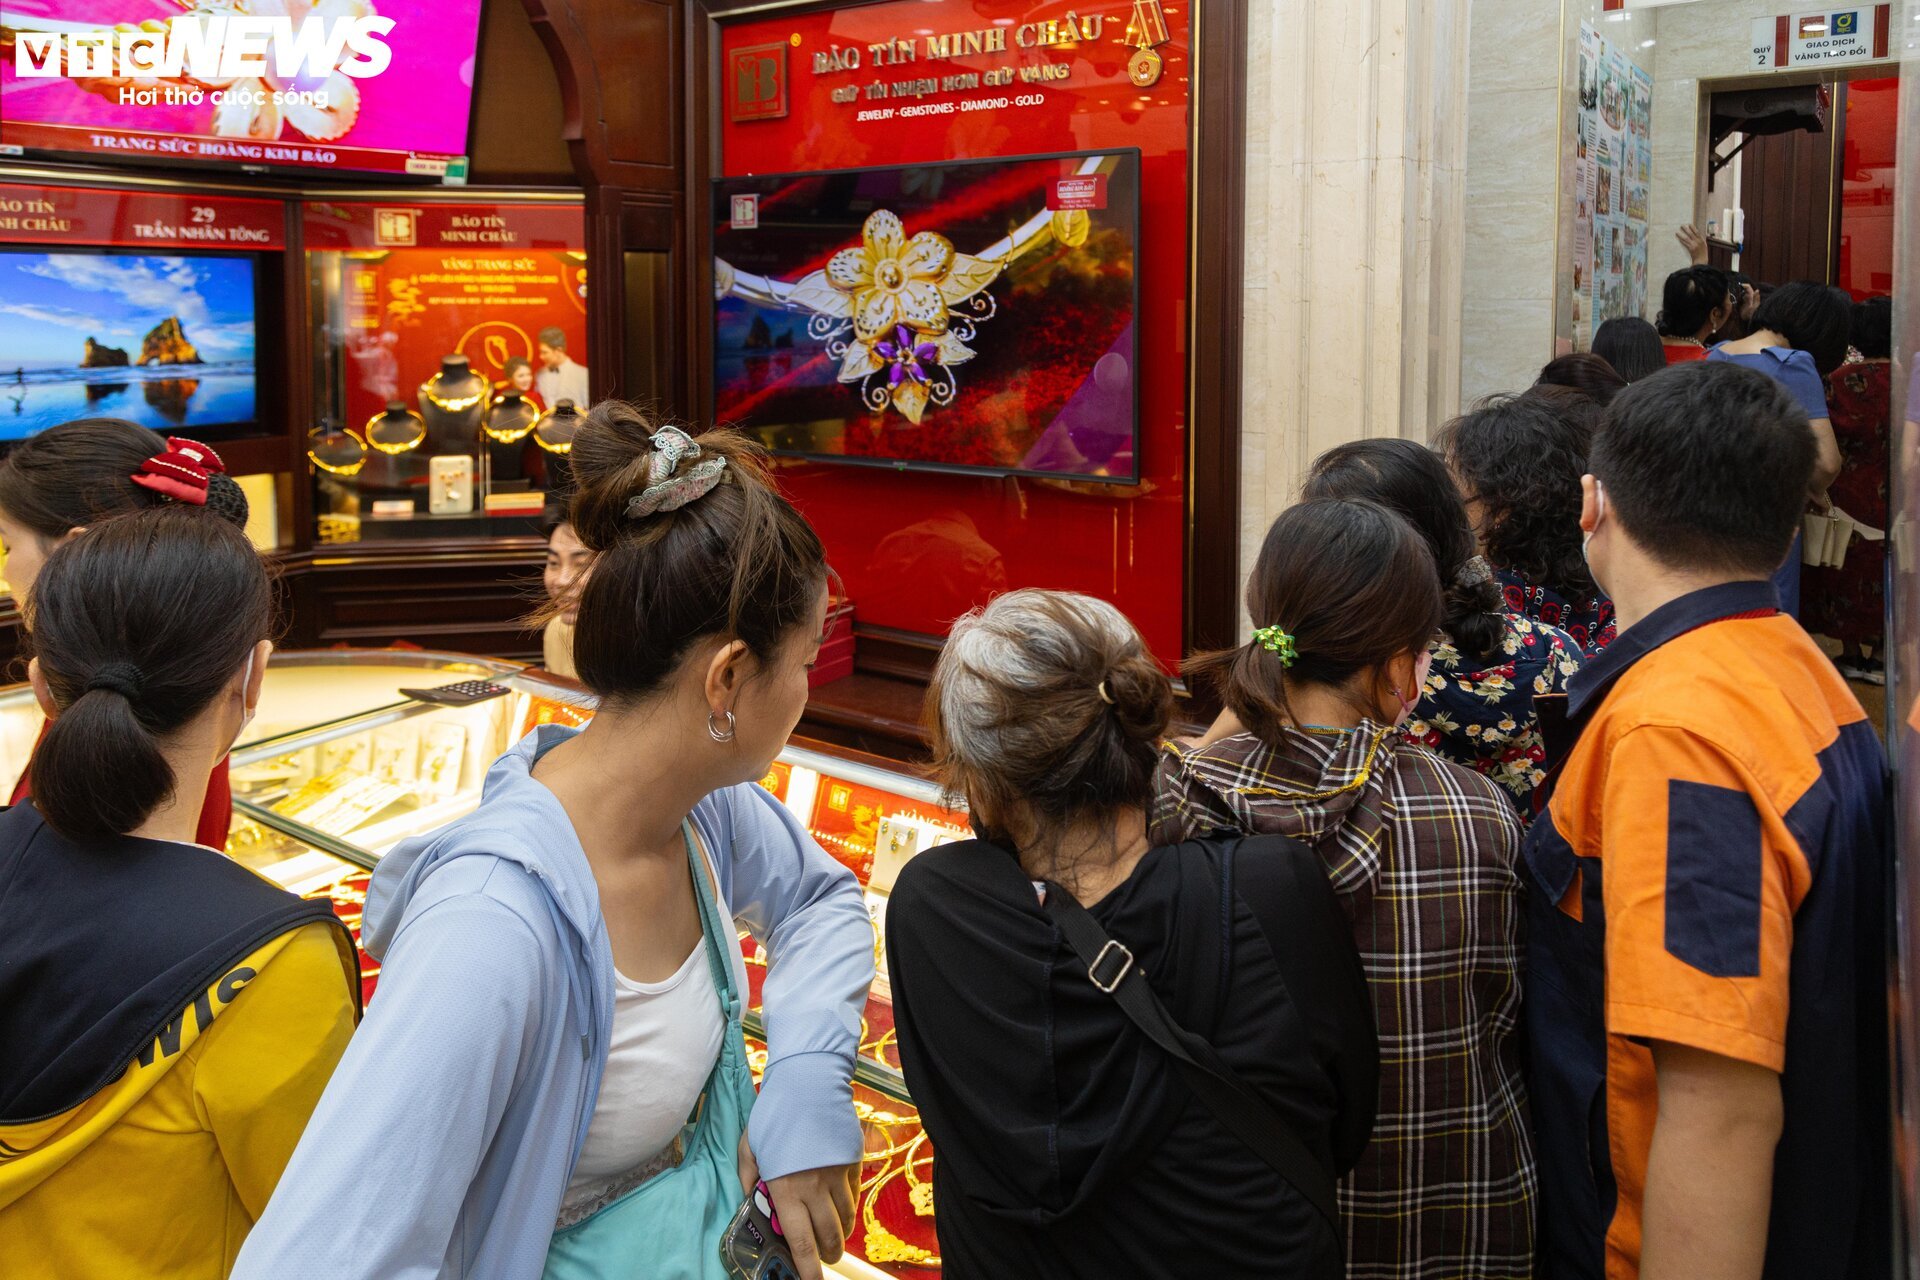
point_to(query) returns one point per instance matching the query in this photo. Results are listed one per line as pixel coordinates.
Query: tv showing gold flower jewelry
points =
(970, 316)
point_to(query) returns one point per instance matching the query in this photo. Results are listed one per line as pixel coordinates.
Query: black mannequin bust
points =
(454, 401)
(509, 421)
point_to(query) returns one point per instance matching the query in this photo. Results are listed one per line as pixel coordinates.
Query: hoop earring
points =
(720, 735)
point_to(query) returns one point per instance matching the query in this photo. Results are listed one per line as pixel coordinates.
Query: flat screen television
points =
(379, 86)
(976, 316)
(165, 340)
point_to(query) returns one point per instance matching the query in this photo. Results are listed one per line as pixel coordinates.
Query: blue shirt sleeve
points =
(808, 912)
(413, 1106)
(1792, 369)
(1803, 382)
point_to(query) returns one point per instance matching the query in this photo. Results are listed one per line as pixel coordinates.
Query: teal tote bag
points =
(669, 1227)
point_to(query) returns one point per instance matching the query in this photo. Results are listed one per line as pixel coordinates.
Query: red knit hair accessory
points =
(181, 471)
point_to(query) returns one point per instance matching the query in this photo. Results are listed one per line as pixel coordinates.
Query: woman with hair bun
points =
(1423, 856)
(553, 1075)
(169, 1018)
(1489, 661)
(75, 475)
(1695, 302)
(1065, 1143)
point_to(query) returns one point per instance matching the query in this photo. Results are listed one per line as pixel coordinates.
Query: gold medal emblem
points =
(1144, 68)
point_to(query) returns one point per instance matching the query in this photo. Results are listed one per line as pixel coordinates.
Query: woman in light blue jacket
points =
(546, 1025)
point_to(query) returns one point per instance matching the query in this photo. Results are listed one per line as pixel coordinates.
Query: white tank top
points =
(666, 1038)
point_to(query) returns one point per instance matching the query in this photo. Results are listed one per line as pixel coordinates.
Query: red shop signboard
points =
(926, 82)
(138, 219)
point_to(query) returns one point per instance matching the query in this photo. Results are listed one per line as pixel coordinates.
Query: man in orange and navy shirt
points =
(1707, 943)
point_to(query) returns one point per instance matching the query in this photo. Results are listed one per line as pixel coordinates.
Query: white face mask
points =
(1599, 510)
(246, 712)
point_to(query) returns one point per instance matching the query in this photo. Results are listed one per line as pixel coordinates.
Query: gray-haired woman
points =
(1068, 1144)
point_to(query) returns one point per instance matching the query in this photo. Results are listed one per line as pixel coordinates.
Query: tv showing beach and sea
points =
(164, 340)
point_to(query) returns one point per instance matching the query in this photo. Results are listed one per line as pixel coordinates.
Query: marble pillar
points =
(1355, 228)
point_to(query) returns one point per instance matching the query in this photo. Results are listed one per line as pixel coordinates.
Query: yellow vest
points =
(161, 1174)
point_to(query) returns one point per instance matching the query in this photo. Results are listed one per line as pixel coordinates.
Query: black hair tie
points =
(122, 678)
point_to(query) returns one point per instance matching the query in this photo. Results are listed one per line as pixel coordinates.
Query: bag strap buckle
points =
(1113, 959)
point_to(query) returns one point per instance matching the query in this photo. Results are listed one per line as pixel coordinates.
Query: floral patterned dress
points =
(1848, 603)
(1482, 716)
(1588, 620)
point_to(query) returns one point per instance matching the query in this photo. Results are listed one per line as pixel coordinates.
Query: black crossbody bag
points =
(1234, 1104)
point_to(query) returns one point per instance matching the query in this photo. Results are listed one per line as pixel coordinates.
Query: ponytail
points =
(137, 626)
(1341, 586)
(99, 740)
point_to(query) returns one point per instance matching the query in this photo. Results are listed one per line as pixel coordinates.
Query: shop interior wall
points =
(1521, 101)
(1356, 207)
(1513, 142)
(1519, 210)
(1706, 44)
(518, 117)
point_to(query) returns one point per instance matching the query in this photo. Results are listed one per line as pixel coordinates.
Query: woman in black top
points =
(1065, 1143)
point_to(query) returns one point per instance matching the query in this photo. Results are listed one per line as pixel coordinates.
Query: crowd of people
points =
(1520, 913)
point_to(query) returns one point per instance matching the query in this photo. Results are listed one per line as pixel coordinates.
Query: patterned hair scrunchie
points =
(1473, 571)
(666, 491)
(1278, 641)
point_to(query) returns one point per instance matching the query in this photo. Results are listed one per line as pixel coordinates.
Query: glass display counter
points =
(338, 766)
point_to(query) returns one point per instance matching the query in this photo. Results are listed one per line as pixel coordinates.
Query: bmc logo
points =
(757, 79)
(393, 228)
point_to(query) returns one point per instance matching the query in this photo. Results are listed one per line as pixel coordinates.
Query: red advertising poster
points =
(406, 285)
(138, 219)
(927, 82)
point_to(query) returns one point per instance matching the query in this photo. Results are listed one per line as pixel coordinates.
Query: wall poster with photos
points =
(1613, 171)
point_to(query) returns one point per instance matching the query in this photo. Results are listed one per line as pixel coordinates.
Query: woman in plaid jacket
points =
(1423, 855)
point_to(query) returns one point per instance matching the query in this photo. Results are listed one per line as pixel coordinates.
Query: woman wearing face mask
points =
(1490, 661)
(553, 1074)
(55, 484)
(170, 1018)
(1423, 855)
